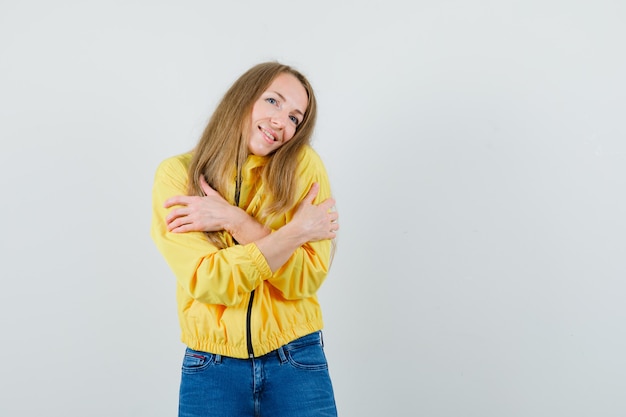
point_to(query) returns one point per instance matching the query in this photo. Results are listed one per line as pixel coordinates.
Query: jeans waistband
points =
(314, 338)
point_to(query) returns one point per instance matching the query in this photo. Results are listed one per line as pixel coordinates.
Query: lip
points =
(269, 135)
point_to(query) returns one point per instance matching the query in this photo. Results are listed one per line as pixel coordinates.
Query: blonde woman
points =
(247, 224)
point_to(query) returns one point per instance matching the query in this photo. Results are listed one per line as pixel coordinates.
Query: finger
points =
(174, 224)
(183, 228)
(183, 224)
(327, 204)
(179, 200)
(176, 214)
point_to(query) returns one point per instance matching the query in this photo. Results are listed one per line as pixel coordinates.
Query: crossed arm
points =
(294, 258)
(212, 213)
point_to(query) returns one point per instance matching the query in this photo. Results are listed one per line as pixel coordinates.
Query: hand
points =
(316, 222)
(198, 214)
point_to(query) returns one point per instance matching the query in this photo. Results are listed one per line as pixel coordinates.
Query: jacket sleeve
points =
(208, 274)
(307, 268)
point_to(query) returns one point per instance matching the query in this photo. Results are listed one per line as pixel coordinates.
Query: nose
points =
(279, 119)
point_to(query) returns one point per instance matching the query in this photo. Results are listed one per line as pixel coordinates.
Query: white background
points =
(477, 150)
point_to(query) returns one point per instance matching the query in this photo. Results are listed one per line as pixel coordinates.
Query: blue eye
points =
(295, 120)
(271, 100)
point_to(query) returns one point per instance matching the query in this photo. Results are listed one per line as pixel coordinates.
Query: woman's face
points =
(276, 115)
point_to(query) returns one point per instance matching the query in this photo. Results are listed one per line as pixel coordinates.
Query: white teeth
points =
(268, 134)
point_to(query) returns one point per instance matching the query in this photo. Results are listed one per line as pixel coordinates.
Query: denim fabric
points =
(290, 381)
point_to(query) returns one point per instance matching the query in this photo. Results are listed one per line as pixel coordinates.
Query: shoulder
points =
(173, 170)
(174, 164)
(309, 161)
(311, 169)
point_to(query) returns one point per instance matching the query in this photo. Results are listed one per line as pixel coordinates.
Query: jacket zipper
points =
(238, 182)
(248, 326)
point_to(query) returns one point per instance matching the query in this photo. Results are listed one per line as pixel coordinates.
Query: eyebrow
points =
(284, 99)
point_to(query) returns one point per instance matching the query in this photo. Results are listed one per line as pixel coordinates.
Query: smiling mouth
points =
(270, 137)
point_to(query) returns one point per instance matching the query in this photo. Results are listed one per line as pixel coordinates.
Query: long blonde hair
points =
(223, 147)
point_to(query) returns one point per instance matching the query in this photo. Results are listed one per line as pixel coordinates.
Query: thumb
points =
(310, 196)
(205, 186)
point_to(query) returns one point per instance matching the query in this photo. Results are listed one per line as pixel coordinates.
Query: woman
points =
(240, 223)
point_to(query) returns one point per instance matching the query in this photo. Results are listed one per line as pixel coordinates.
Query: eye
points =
(295, 120)
(271, 100)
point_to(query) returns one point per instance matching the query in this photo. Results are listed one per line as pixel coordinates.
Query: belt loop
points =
(282, 357)
(322, 338)
(218, 359)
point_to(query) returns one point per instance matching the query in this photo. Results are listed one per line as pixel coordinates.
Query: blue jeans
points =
(290, 381)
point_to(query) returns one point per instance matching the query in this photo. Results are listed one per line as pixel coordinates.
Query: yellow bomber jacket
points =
(229, 302)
